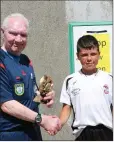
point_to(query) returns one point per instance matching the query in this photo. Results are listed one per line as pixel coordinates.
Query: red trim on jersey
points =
(2, 66)
(23, 72)
(18, 78)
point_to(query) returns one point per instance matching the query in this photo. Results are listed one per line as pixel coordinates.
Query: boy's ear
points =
(99, 55)
(77, 55)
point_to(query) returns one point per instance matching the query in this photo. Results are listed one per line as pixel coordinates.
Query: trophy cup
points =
(45, 86)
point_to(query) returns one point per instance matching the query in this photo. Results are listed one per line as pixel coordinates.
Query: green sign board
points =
(102, 31)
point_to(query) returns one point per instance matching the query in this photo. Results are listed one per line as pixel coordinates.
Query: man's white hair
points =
(5, 22)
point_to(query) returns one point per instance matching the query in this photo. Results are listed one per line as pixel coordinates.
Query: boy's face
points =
(88, 58)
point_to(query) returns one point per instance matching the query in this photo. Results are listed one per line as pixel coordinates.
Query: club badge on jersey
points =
(19, 89)
(106, 89)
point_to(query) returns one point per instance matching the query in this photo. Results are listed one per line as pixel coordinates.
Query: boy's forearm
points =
(65, 113)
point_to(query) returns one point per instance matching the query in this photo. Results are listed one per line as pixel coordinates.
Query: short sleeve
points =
(5, 85)
(64, 97)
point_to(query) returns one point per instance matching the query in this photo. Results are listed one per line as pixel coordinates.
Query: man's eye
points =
(14, 34)
(23, 35)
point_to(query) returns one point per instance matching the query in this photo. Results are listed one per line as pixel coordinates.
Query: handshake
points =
(51, 124)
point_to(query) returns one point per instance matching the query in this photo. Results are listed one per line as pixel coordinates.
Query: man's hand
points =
(54, 132)
(51, 124)
(49, 98)
(46, 90)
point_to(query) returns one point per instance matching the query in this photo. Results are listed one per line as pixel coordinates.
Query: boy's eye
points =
(93, 54)
(84, 55)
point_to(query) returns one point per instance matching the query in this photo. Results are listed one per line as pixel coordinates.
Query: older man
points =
(19, 115)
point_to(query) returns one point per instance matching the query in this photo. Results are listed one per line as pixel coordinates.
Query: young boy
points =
(88, 93)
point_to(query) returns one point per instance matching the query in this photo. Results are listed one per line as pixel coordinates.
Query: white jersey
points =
(91, 97)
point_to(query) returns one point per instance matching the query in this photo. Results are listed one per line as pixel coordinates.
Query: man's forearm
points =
(18, 110)
(14, 108)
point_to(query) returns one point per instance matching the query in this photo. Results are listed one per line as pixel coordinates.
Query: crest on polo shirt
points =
(106, 89)
(19, 89)
(75, 91)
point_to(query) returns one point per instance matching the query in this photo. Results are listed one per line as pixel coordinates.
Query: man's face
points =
(88, 58)
(15, 35)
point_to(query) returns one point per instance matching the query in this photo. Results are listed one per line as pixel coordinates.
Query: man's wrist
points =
(44, 120)
(38, 118)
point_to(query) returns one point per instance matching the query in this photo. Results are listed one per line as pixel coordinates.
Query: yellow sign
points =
(104, 44)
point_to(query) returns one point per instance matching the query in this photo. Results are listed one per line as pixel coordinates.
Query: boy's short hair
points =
(87, 42)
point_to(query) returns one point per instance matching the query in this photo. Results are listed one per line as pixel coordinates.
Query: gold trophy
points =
(45, 86)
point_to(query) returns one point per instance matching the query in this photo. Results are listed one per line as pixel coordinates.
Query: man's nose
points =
(18, 38)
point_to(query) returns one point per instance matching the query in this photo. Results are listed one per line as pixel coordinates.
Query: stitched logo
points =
(19, 89)
(75, 91)
(106, 89)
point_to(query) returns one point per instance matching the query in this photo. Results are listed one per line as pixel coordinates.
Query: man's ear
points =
(2, 30)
